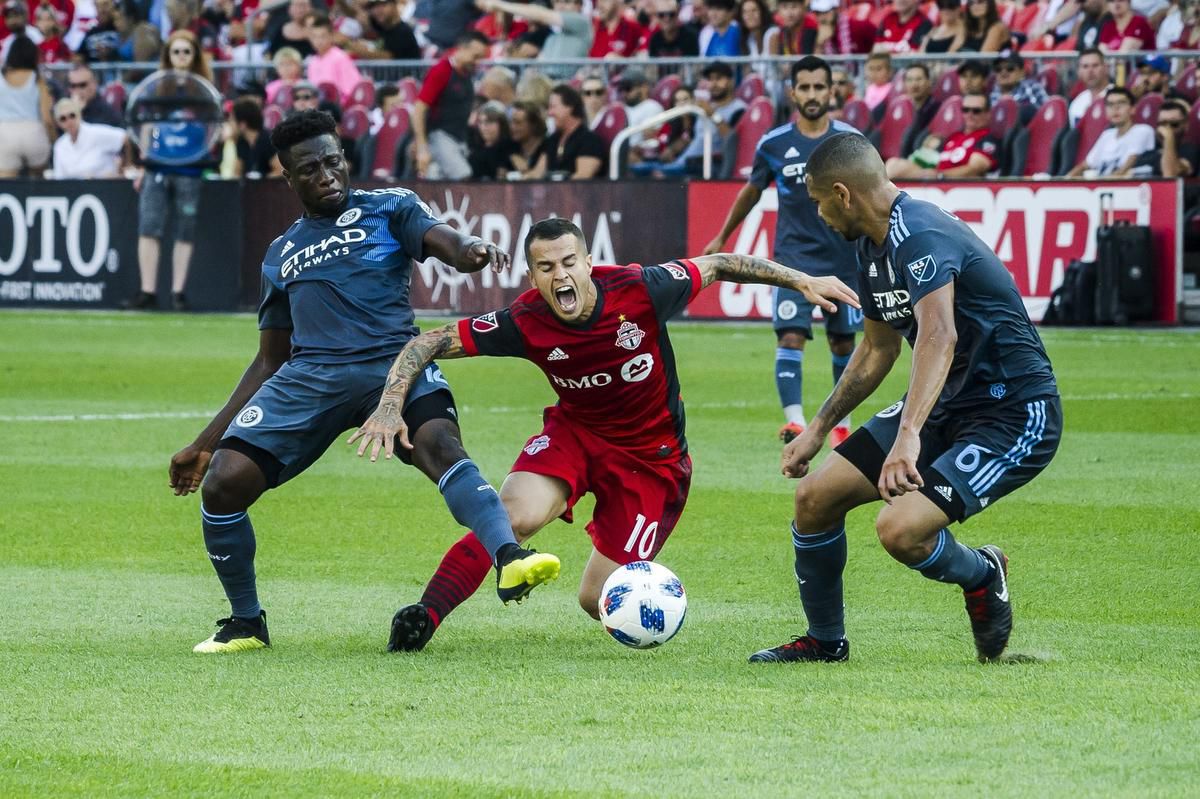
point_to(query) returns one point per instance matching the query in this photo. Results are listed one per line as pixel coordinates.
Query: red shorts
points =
(638, 503)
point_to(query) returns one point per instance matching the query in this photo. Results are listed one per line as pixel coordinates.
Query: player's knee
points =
(898, 537)
(792, 340)
(840, 345)
(523, 522)
(814, 509)
(589, 600)
(222, 490)
(437, 446)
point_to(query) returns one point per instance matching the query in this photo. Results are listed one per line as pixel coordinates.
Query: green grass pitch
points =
(105, 588)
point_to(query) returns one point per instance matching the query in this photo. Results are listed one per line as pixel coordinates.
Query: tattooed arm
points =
(387, 422)
(822, 291)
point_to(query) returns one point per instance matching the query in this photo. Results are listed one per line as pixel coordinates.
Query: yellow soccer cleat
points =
(525, 570)
(237, 635)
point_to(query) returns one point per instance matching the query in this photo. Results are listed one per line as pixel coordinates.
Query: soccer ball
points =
(642, 604)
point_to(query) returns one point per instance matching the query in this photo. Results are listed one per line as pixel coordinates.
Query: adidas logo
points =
(983, 503)
(557, 354)
(792, 152)
(946, 491)
(872, 270)
(286, 247)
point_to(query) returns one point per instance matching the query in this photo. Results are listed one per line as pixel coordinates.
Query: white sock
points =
(794, 414)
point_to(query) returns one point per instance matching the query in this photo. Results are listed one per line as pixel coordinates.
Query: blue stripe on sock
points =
(450, 472)
(221, 521)
(815, 540)
(789, 354)
(218, 516)
(937, 550)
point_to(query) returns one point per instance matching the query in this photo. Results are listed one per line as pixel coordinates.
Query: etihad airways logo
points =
(332, 246)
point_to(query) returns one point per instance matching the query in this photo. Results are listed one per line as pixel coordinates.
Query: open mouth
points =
(566, 298)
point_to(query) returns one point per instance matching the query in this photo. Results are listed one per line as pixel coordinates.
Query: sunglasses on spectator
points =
(181, 51)
(304, 96)
(592, 92)
(82, 84)
(974, 109)
(1171, 123)
(666, 14)
(66, 117)
(1009, 68)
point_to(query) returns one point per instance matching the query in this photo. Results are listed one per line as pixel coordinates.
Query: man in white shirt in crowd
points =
(84, 150)
(1118, 147)
(1093, 73)
(635, 87)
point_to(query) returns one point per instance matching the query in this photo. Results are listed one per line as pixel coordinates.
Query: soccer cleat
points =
(412, 627)
(989, 608)
(838, 436)
(179, 302)
(142, 301)
(524, 571)
(237, 635)
(789, 431)
(805, 649)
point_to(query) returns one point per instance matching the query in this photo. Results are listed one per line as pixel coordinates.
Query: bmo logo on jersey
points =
(637, 369)
(598, 380)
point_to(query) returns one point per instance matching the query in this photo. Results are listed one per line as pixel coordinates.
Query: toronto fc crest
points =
(629, 335)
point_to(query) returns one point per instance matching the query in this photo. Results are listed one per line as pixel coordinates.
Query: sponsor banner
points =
(1036, 228)
(67, 243)
(623, 222)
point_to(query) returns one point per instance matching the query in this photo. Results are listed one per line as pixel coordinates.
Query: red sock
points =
(459, 575)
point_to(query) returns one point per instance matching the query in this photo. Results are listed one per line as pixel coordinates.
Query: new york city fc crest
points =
(629, 335)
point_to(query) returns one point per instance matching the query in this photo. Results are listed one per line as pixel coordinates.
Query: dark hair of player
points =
(844, 156)
(299, 127)
(811, 63)
(552, 230)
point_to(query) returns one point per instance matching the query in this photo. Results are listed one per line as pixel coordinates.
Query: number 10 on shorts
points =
(644, 536)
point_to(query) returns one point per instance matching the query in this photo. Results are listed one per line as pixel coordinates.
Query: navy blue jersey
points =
(802, 240)
(340, 284)
(999, 356)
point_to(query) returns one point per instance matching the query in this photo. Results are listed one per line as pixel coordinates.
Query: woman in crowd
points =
(527, 158)
(294, 32)
(182, 52)
(1125, 31)
(675, 135)
(595, 97)
(290, 68)
(951, 31)
(85, 150)
(26, 125)
(490, 142)
(754, 19)
(986, 33)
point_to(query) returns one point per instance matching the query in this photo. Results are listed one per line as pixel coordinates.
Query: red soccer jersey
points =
(628, 38)
(959, 148)
(615, 374)
(902, 37)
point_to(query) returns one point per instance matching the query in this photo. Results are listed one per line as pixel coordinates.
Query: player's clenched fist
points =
(799, 452)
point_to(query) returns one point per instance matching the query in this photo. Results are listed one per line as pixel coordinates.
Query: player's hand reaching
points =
(381, 430)
(826, 292)
(799, 452)
(480, 253)
(899, 475)
(714, 246)
(188, 466)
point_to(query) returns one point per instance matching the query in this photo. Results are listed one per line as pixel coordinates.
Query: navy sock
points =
(839, 366)
(952, 562)
(789, 376)
(476, 506)
(820, 561)
(230, 542)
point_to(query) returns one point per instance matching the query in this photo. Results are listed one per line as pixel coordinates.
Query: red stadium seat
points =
(1186, 84)
(363, 94)
(114, 94)
(1094, 122)
(1005, 116)
(857, 114)
(1146, 110)
(409, 89)
(1048, 77)
(612, 120)
(946, 86)
(750, 88)
(1033, 151)
(356, 122)
(897, 119)
(948, 120)
(329, 93)
(754, 124)
(272, 116)
(1193, 133)
(664, 90)
(387, 142)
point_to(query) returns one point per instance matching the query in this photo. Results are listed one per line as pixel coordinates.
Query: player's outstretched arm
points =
(387, 422)
(190, 463)
(822, 291)
(747, 198)
(464, 253)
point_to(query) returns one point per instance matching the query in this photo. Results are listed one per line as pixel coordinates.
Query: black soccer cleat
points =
(805, 649)
(412, 627)
(237, 635)
(522, 570)
(989, 608)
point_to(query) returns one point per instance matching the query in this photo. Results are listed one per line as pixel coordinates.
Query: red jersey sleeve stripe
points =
(694, 273)
(467, 336)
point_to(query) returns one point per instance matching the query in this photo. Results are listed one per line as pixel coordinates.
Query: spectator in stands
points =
(573, 149)
(1154, 77)
(501, 27)
(1188, 37)
(753, 19)
(534, 87)
(950, 33)
(330, 63)
(616, 36)
(16, 24)
(634, 88)
(1125, 31)
(289, 66)
(595, 96)
(571, 30)
(1057, 23)
(255, 156)
(840, 34)
(528, 159)
(721, 36)
(973, 77)
(396, 38)
(26, 124)
(1011, 82)
(1092, 71)
(918, 86)
(1092, 17)
(182, 52)
(386, 98)
(440, 117)
(84, 150)
(491, 144)
(723, 108)
(843, 86)
(53, 49)
(970, 153)
(184, 15)
(81, 82)
(1173, 156)
(294, 31)
(673, 137)
(1119, 146)
(305, 97)
(450, 20)
(797, 29)
(671, 39)
(1155, 11)
(498, 83)
(101, 41)
(879, 81)
(903, 29)
(986, 33)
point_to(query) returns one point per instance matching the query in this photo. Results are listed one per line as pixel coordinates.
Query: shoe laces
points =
(803, 643)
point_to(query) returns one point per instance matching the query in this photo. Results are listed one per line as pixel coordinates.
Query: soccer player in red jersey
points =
(599, 334)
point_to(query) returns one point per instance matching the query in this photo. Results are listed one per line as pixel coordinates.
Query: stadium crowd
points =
(487, 110)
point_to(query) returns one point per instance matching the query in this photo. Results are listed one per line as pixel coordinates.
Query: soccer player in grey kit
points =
(981, 418)
(801, 241)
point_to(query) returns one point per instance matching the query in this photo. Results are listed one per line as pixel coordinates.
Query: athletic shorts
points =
(638, 503)
(305, 407)
(163, 195)
(968, 460)
(794, 312)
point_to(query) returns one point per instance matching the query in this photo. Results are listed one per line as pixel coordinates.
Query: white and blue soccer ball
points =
(642, 604)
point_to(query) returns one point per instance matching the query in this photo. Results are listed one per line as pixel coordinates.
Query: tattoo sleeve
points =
(744, 269)
(416, 355)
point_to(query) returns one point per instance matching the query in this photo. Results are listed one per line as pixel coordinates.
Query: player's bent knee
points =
(231, 485)
(816, 507)
(590, 602)
(901, 539)
(792, 340)
(840, 344)
(437, 445)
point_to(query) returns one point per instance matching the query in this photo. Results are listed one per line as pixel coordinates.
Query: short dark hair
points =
(472, 35)
(837, 153)
(551, 230)
(571, 98)
(22, 54)
(973, 67)
(1121, 90)
(1090, 51)
(724, 5)
(812, 63)
(1174, 105)
(300, 127)
(385, 91)
(919, 66)
(248, 110)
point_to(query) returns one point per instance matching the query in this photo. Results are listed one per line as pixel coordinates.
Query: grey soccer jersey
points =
(802, 240)
(341, 283)
(999, 356)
